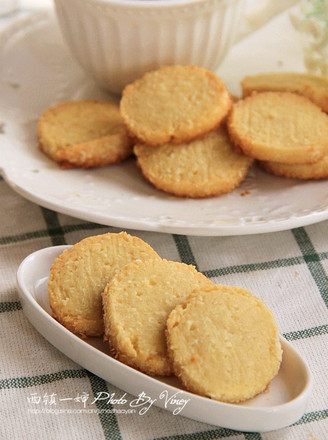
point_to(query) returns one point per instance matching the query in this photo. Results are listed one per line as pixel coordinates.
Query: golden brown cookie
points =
(84, 134)
(80, 274)
(136, 304)
(174, 104)
(204, 167)
(224, 344)
(313, 87)
(315, 171)
(280, 127)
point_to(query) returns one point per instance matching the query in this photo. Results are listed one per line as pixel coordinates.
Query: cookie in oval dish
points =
(79, 275)
(137, 302)
(224, 344)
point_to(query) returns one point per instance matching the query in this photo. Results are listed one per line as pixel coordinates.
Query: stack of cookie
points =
(164, 317)
(176, 117)
(282, 122)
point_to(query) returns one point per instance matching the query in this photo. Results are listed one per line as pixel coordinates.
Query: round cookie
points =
(280, 127)
(224, 344)
(315, 171)
(84, 134)
(137, 302)
(313, 87)
(204, 167)
(80, 274)
(174, 104)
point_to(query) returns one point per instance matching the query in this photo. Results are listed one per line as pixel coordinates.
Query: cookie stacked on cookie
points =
(80, 274)
(223, 343)
(164, 317)
(176, 116)
(282, 122)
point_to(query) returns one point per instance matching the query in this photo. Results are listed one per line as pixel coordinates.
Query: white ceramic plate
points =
(282, 405)
(37, 71)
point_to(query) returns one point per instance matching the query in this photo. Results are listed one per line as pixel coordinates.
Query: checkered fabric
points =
(42, 392)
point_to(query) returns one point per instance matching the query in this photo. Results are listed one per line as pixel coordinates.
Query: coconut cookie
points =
(204, 167)
(80, 274)
(174, 104)
(280, 127)
(137, 302)
(224, 344)
(84, 134)
(315, 171)
(313, 87)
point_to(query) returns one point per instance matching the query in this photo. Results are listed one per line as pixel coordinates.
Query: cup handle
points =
(261, 13)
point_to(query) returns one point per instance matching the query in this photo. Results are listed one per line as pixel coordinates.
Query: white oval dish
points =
(282, 405)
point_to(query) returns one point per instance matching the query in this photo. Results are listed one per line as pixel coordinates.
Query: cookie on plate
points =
(204, 167)
(137, 302)
(313, 87)
(80, 274)
(84, 134)
(280, 127)
(314, 171)
(174, 104)
(224, 344)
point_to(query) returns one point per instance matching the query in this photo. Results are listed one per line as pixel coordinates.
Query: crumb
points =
(14, 85)
(267, 389)
(245, 193)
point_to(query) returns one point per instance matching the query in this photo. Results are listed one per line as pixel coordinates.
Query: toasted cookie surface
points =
(224, 344)
(280, 127)
(174, 104)
(84, 134)
(311, 86)
(80, 274)
(315, 171)
(136, 304)
(204, 167)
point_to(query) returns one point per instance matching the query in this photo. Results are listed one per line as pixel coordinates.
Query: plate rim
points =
(222, 230)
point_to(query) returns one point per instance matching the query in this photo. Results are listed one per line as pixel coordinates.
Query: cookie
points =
(204, 167)
(137, 302)
(224, 344)
(314, 171)
(84, 134)
(280, 127)
(313, 87)
(174, 104)
(80, 274)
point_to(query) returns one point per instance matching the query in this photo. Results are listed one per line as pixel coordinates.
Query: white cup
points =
(116, 41)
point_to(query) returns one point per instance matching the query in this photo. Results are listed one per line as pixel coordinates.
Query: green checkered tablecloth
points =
(42, 392)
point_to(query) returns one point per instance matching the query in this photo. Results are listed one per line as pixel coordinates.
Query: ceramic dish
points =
(282, 405)
(118, 195)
